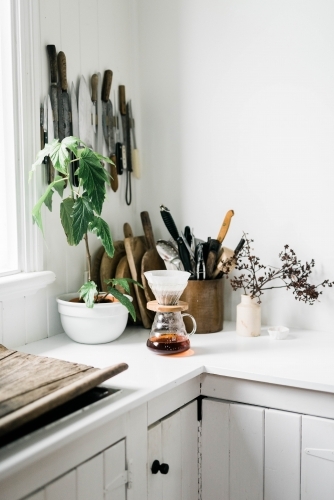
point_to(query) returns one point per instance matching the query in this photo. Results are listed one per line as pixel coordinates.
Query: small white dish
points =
(278, 332)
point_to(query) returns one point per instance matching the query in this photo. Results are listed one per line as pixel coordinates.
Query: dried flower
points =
(292, 275)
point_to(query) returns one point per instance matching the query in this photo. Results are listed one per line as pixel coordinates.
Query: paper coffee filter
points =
(167, 277)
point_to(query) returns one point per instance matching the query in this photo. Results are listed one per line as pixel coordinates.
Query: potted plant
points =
(87, 316)
(255, 278)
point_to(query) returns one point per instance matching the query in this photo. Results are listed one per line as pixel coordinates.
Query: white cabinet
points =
(103, 477)
(317, 459)
(173, 441)
(249, 453)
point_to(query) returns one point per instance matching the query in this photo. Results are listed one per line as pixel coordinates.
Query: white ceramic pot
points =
(248, 317)
(101, 324)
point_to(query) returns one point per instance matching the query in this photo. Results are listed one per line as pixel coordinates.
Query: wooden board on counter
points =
(32, 385)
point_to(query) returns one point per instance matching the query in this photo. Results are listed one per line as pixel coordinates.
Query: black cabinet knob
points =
(156, 467)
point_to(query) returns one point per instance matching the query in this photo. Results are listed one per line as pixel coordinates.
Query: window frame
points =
(26, 91)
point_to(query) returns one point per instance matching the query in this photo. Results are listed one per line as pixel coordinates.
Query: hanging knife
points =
(118, 146)
(134, 150)
(124, 110)
(108, 126)
(93, 83)
(64, 100)
(99, 138)
(53, 86)
(50, 138)
(75, 131)
(84, 109)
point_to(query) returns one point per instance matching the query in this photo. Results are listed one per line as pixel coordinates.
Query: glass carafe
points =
(168, 334)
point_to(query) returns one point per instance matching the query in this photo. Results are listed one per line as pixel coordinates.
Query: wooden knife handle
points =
(225, 226)
(106, 85)
(122, 101)
(127, 230)
(53, 62)
(146, 222)
(93, 82)
(61, 58)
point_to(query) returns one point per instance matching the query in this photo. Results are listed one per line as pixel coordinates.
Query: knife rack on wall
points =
(91, 116)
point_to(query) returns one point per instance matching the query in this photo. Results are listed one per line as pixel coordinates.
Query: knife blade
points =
(74, 112)
(64, 100)
(84, 110)
(51, 49)
(93, 83)
(99, 138)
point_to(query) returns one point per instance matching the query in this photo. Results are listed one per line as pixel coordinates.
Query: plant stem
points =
(89, 258)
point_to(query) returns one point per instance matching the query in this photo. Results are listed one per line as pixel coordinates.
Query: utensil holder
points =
(205, 303)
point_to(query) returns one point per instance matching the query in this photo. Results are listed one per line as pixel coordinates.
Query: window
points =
(9, 258)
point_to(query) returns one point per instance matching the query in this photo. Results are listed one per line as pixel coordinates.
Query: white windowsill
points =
(22, 284)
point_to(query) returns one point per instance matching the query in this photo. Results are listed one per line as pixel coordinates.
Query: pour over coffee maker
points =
(168, 334)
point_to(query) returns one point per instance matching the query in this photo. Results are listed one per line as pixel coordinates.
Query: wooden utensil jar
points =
(205, 303)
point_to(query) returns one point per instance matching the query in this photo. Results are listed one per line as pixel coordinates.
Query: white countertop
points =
(303, 360)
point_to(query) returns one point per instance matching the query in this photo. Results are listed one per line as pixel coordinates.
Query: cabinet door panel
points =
(171, 455)
(64, 487)
(189, 439)
(154, 481)
(317, 459)
(246, 452)
(90, 479)
(114, 472)
(282, 455)
(215, 450)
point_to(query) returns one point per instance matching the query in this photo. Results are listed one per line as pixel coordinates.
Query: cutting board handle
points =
(127, 230)
(146, 222)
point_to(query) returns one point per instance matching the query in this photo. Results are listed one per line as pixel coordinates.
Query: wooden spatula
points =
(215, 245)
(151, 260)
(109, 265)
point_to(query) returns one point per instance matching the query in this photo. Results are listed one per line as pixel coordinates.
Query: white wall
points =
(234, 107)
(95, 35)
(238, 112)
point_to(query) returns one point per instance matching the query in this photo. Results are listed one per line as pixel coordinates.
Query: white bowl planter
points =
(99, 325)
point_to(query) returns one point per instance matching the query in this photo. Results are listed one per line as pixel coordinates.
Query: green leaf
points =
(60, 156)
(93, 177)
(87, 293)
(59, 185)
(119, 281)
(72, 143)
(104, 158)
(102, 231)
(40, 157)
(45, 198)
(48, 200)
(123, 300)
(66, 212)
(82, 216)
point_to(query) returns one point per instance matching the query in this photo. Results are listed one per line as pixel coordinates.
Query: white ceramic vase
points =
(248, 317)
(101, 324)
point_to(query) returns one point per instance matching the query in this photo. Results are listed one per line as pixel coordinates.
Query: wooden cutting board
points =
(151, 260)
(135, 248)
(123, 271)
(32, 385)
(109, 265)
